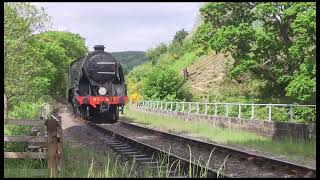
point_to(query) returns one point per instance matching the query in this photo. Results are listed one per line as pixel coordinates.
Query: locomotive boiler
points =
(96, 86)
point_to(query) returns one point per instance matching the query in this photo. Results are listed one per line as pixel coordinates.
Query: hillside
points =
(130, 59)
(207, 73)
(208, 78)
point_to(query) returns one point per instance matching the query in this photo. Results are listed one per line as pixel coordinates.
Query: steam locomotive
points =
(96, 86)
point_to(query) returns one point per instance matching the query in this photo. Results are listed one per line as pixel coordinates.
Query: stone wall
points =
(276, 130)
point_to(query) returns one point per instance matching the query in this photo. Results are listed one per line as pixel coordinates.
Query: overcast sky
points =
(123, 26)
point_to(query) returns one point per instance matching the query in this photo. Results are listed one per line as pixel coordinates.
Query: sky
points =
(123, 26)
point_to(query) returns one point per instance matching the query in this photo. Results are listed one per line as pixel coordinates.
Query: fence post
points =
(171, 106)
(161, 106)
(206, 109)
(182, 107)
(52, 147)
(227, 110)
(60, 143)
(176, 107)
(239, 115)
(252, 111)
(197, 107)
(189, 108)
(215, 109)
(270, 112)
(166, 106)
(291, 113)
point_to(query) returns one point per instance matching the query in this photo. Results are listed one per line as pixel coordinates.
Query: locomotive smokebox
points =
(99, 47)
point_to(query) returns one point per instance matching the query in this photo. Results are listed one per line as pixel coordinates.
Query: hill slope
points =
(207, 72)
(130, 59)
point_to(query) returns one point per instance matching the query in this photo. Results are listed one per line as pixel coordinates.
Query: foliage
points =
(180, 36)
(154, 80)
(21, 21)
(270, 40)
(133, 91)
(164, 84)
(129, 59)
(26, 110)
(155, 53)
(36, 62)
(59, 48)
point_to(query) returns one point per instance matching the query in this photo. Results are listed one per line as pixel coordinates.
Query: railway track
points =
(152, 158)
(143, 144)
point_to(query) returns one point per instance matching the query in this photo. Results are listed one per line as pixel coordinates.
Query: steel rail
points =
(148, 149)
(259, 159)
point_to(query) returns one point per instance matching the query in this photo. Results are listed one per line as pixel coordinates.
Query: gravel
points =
(81, 135)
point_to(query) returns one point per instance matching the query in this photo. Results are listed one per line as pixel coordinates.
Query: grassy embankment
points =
(290, 148)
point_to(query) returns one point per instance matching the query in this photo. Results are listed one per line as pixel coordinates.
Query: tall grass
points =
(85, 163)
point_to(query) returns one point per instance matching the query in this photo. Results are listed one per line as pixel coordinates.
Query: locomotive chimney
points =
(99, 47)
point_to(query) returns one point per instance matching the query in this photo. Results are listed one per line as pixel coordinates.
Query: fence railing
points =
(270, 112)
(52, 137)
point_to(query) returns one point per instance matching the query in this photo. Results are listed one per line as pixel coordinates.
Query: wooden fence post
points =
(60, 144)
(52, 147)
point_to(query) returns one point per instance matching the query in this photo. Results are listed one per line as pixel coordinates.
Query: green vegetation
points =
(288, 147)
(87, 163)
(130, 59)
(272, 46)
(36, 60)
(84, 163)
(269, 57)
(270, 41)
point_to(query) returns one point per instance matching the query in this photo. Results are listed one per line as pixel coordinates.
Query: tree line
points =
(36, 59)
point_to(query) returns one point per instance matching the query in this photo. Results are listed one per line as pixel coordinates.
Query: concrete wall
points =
(276, 130)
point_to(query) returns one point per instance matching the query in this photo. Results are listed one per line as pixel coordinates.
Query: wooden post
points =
(270, 112)
(52, 147)
(252, 111)
(60, 144)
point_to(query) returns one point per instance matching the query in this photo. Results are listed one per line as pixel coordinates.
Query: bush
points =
(163, 84)
(23, 110)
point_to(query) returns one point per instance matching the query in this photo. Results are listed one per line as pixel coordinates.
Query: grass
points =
(84, 163)
(79, 162)
(288, 147)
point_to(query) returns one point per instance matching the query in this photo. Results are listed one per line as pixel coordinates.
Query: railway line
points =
(196, 158)
(158, 162)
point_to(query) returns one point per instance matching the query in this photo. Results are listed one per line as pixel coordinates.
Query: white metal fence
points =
(270, 112)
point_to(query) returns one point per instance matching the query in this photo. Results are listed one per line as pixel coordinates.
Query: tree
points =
(60, 48)
(21, 20)
(180, 36)
(37, 62)
(272, 41)
(155, 53)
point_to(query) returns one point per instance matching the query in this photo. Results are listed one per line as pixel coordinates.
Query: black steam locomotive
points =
(96, 86)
